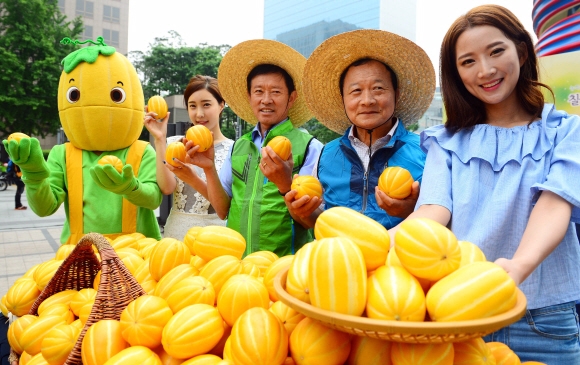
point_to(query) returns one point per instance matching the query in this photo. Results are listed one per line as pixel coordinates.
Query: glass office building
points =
(304, 24)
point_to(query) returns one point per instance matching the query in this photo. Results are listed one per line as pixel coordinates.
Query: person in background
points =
(366, 84)
(503, 172)
(187, 182)
(261, 82)
(15, 174)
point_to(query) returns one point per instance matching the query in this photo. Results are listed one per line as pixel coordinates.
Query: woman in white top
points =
(187, 182)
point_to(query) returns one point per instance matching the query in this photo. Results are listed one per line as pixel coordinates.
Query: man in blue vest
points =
(261, 81)
(366, 84)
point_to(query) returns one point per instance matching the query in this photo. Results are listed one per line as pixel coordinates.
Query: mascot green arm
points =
(27, 154)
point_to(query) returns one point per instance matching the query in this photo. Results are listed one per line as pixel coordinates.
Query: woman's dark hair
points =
(266, 69)
(364, 61)
(199, 82)
(465, 110)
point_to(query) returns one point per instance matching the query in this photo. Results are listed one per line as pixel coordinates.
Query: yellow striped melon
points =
(147, 250)
(44, 273)
(157, 104)
(126, 251)
(78, 324)
(167, 254)
(197, 262)
(165, 358)
(142, 273)
(393, 260)
(422, 354)
(63, 252)
(189, 238)
(475, 291)
(218, 349)
(396, 182)
(371, 237)
(132, 263)
(59, 309)
(314, 343)
(214, 241)
(262, 259)
(81, 298)
(250, 268)
(142, 321)
(137, 235)
(64, 297)
(21, 296)
(58, 343)
(192, 331)
(144, 242)
(472, 352)
(228, 349)
(282, 146)
(206, 359)
(123, 241)
(288, 316)
(220, 269)
(30, 272)
(470, 253)
(240, 293)
(140, 355)
(37, 359)
(258, 338)
(102, 341)
(189, 291)
(3, 307)
(273, 270)
(31, 337)
(174, 276)
(85, 312)
(25, 358)
(394, 294)
(427, 249)
(503, 354)
(369, 351)
(297, 279)
(15, 331)
(337, 276)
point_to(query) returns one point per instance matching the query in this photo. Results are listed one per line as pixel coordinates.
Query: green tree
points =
(169, 63)
(30, 55)
(320, 131)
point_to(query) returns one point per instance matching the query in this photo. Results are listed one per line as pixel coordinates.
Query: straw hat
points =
(241, 60)
(414, 70)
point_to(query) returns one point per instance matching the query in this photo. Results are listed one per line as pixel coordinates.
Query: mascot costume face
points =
(101, 108)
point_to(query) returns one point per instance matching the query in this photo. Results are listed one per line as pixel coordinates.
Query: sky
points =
(230, 22)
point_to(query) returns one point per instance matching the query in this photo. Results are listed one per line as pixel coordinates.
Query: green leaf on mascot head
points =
(86, 54)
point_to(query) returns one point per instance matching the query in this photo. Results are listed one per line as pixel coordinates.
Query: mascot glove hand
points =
(27, 154)
(110, 179)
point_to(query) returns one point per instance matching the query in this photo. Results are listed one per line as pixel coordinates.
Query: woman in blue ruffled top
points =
(504, 173)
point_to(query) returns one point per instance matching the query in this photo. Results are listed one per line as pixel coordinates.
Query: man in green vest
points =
(261, 81)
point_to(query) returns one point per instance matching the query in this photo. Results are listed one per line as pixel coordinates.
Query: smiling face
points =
(269, 99)
(488, 64)
(369, 97)
(204, 109)
(101, 104)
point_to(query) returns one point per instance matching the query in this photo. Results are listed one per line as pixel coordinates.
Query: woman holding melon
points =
(366, 84)
(174, 175)
(503, 172)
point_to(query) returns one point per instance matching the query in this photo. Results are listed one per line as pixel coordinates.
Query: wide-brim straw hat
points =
(414, 70)
(240, 60)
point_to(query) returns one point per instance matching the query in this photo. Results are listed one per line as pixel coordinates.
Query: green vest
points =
(257, 209)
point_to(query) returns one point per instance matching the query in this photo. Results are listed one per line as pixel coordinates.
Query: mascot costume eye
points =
(101, 109)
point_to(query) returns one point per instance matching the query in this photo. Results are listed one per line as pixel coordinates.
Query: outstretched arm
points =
(545, 230)
(44, 180)
(165, 178)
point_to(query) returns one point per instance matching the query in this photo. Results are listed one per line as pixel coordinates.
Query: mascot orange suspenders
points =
(101, 108)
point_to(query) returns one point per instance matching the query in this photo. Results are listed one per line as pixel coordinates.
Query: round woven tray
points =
(410, 332)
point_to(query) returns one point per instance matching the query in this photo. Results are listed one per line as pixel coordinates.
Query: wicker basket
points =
(116, 290)
(410, 332)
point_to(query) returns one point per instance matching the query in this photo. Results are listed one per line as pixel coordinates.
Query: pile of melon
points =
(207, 305)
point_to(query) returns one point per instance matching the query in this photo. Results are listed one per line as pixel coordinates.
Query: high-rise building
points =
(304, 24)
(106, 18)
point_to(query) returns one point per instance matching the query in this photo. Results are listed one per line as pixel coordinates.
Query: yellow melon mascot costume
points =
(100, 102)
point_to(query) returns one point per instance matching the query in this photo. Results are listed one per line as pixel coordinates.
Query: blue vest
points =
(343, 177)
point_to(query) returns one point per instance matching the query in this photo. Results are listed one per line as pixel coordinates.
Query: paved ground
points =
(25, 238)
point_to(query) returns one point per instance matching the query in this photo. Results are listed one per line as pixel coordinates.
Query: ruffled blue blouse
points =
(490, 178)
